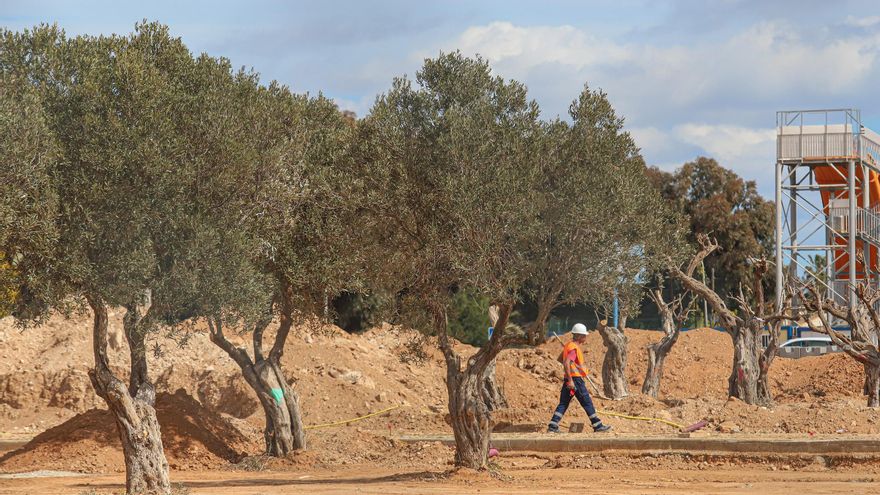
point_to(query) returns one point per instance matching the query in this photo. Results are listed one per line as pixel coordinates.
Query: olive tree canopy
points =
(451, 170)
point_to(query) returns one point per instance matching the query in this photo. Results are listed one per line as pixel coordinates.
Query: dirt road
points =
(527, 481)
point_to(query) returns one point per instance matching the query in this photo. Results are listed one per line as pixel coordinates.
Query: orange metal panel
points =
(835, 174)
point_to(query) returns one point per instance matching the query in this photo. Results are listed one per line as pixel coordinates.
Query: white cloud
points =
(862, 22)
(528, 47)
(766, 59)
(651, 139)
(726, 142)
(716, 95)
(748, 152)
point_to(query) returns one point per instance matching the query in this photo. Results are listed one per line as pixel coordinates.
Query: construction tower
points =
(827, 200)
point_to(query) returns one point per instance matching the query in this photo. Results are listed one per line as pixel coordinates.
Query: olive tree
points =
(299, 204)
(121, 109)
(603, 227)
(450, 170)
(745, 325)
(673, 315)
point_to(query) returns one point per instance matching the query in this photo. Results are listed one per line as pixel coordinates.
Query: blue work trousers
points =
(583, 396)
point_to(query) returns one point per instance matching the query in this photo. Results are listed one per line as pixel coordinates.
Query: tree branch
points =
(239, 355)
(286, 299)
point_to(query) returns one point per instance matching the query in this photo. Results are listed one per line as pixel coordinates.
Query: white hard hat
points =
(579, 329)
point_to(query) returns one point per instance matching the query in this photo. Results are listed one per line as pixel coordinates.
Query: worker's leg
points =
(564, 400)
(583, 396)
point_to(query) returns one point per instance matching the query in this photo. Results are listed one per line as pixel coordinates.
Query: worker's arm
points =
(566, 364)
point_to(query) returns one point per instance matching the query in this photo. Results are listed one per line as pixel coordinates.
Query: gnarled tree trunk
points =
(658, 351)
(743, 380)
(495, 399)
(614, 383)
(146, 469)
(537, 330)
(872, 382)
(656, 357)
(284, 431)
(492, 393)
(744, 330)
(470, 418)
(764, 363)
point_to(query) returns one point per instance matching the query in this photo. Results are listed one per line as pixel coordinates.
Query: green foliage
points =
(140, 127)
(450, 174)
(8, 289)
(468, 318)
(719, 203)
(596, 238)
(306, 199)
(28, 152)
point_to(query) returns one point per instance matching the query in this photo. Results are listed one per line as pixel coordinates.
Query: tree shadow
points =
(256, 482)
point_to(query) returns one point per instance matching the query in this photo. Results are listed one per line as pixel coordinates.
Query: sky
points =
(690, 77)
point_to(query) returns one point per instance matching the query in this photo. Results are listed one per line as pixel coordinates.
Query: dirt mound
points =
(194, 438)
(833, 375)
(699, 366)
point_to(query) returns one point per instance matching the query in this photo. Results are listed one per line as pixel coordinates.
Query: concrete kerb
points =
(672, 444)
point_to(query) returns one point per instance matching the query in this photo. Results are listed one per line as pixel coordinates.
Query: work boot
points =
(602, 429)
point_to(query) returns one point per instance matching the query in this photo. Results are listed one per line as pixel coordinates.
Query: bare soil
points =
(212, 422)
(509, 479)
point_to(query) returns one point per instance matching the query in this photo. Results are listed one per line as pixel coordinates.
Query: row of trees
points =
(137, 175)
(140, 176)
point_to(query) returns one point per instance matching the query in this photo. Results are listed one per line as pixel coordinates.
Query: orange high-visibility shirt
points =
(573, 352)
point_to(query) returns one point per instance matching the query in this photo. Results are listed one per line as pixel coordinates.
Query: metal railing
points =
(824, 135)
(816, 145)
(867, 223)
(826, 146)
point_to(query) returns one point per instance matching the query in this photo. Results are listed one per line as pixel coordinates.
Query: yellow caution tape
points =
(347, 421)
(383, 411)
(640, 418)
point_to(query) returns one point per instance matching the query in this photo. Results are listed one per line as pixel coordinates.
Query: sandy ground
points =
(513, 481)
(211, 422)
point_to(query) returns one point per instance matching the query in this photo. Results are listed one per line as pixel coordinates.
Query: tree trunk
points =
(470, 418)
(494, 397)
(284, 431)
(614, 382)
(656, 357)
(764, 362)
(872, 379)
(745, 330)
(146, 469)
(657, 353)
(746, 369)
(537, 330)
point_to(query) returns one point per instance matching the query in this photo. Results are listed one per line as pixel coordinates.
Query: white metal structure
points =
(827, 200)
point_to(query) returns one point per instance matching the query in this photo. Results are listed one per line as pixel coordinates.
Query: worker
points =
(572, 359)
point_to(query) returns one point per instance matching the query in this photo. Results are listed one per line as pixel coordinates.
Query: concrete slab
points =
(566, 443)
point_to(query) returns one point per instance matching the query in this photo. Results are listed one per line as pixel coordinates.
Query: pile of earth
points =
(193, 437)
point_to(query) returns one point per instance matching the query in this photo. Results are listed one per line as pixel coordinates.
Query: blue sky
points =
(690, 77)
